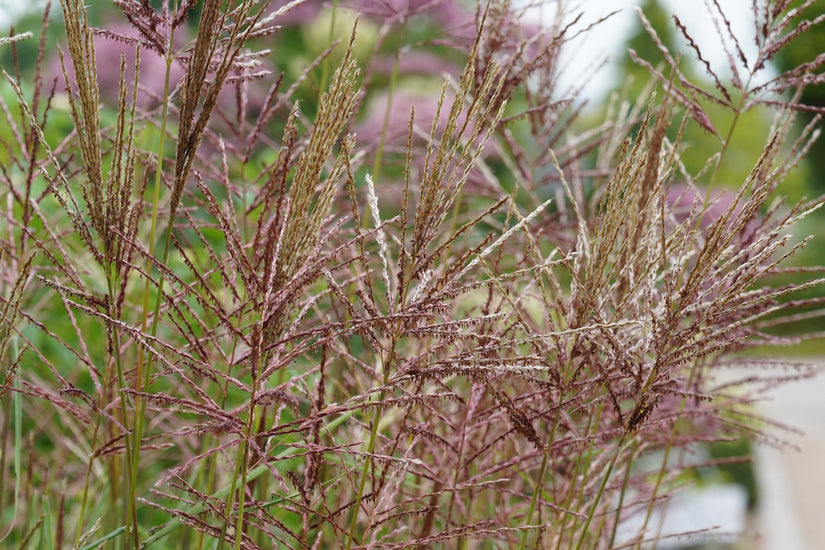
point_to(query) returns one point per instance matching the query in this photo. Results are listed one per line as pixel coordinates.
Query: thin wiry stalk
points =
(540, 306)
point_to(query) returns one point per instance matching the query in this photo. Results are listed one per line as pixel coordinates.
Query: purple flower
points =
(684, 200)
(121, 39)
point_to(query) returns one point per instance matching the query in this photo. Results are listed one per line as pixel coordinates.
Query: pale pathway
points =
(792, 509)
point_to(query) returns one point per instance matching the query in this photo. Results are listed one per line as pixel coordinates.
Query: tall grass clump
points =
(380, 286)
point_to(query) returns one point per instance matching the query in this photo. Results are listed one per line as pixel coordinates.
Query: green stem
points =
(536, 491)
(602, 486)
(131, 467)
(244, 461)
(88, 475)
(540, 481)
(252, 475)
(325, 65)
(143, 375)
(620, 505)
(737, 113)
(376, 418)
(668, 447)
(379, 153)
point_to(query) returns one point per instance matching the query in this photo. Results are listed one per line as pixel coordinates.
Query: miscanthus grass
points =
(253, 304)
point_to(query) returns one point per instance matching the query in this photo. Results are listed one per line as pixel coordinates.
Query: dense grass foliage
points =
(379, 285)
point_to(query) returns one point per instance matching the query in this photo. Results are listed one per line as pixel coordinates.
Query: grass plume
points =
(237, 309)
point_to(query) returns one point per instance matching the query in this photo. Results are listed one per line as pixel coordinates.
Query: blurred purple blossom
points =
(684, 199)
(121, 39)
(454, 18)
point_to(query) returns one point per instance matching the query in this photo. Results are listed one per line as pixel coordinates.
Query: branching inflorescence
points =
(238, 310)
